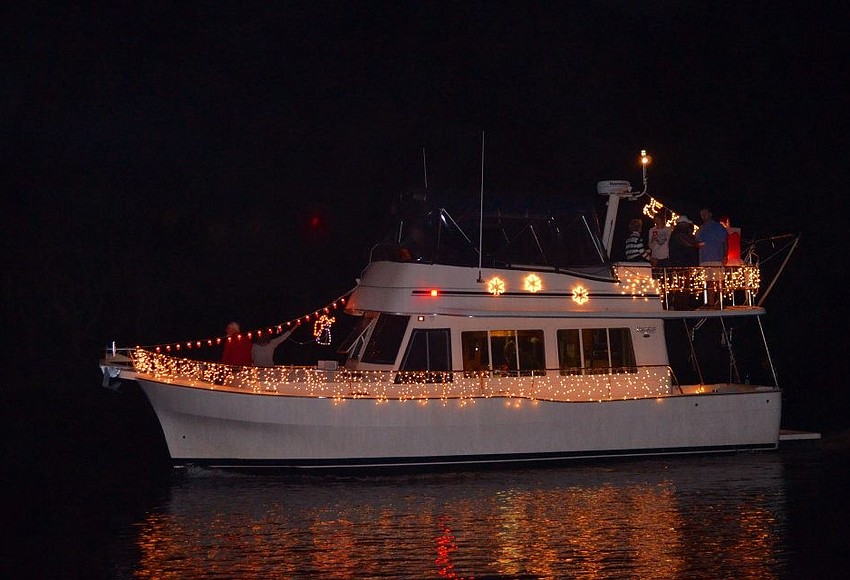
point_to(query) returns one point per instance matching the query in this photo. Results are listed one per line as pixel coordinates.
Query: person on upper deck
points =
(414, 247)
(683, 245)
(237, 347)
(712, 240)
(733, 242)
(635, 250)
(659, 243)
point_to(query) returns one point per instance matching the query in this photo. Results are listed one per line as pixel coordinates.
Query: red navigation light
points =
(434, 293)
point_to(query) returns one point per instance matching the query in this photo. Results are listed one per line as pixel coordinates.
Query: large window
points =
(505, 352)
(622, 351)
(476, 352)
(569, 352)
(353, 344)
(386, 339)
(595, 351)
(428, 357)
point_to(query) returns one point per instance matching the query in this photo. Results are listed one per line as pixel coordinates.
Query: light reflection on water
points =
(681, 518)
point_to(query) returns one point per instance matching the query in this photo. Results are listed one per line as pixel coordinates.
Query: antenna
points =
(481, 213)
(425, 168)
(645, 160)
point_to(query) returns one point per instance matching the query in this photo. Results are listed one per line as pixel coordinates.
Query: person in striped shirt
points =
(635, 250)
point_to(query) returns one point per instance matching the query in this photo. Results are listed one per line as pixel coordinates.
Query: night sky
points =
(168, 167)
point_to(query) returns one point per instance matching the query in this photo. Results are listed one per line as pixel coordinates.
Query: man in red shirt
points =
(733, 242)
(237, 347)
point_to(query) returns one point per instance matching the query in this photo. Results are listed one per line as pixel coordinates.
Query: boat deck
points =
(792, 435)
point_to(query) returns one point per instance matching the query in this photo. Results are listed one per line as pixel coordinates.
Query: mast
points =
(481, 213)
(616, 190)
(425, 168)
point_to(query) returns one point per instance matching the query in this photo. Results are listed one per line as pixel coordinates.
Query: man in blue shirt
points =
(712, 240)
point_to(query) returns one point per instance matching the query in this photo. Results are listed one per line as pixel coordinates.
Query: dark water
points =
(750, 515)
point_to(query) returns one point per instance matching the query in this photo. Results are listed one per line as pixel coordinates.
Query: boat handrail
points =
(556, 384)
(720, 285)
(116, 356)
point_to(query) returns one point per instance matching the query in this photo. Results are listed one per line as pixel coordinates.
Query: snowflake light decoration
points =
(580, 295)
(496, 286)
(533, 283)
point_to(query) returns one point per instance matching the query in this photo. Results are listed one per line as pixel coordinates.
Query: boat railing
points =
(684, 288)
(569, 384)
(113, 362)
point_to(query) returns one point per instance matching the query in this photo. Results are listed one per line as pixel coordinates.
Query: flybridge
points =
(517, 232)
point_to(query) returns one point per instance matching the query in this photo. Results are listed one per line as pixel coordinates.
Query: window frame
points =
(386, 337)
(590, 348)
(432, 375)
(511, 360)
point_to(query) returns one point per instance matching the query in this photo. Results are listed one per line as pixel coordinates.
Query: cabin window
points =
(595, 342)
(428, 357)
(530, 352)
(596, 351)
(386, 339)
(622, 350)
(353, 343)
(503, 350)
(510, 352)
(569, 351)
(476, 352)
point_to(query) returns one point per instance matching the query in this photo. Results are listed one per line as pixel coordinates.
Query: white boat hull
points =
(225, 428)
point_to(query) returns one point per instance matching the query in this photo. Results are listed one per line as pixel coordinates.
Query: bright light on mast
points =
(644, 161)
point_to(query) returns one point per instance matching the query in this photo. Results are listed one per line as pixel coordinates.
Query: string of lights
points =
(653, 207)
(322, 323)
(646, 280)
(423, 386)
(637, 281)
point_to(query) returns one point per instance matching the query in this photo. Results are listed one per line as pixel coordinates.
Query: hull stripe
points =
(427, 293)
(463, 460)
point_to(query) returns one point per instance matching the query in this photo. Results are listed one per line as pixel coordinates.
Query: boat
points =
(487, 334)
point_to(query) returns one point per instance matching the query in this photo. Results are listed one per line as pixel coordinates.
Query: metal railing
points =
(571, 384)
(719, 286)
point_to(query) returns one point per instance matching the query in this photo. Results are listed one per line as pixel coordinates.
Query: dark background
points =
(168, 167)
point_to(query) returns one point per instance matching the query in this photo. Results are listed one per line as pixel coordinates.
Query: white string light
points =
(271, 330)
(420, 386)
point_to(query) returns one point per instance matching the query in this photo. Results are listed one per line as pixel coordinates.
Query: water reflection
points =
(683, 518)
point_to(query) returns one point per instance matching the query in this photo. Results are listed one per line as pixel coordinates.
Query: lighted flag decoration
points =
(322, 329)
(653, 206)
(323, 338)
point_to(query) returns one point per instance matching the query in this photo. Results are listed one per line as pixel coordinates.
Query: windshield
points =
(540, 233)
